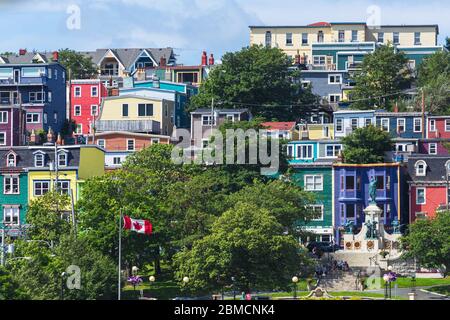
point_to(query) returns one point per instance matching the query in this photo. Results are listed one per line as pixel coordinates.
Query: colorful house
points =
(316, 131)
(440, 147)
(347, 121)
(138, 114)
(310, 151)
(429, 187)
(438, 127)
(281, 130)
(32, 95)
(351, 193)
(85, 101)
(405, 125)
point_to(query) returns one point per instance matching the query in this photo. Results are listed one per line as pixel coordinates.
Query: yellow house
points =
(66, 167)
(134, 113)
(317, 131)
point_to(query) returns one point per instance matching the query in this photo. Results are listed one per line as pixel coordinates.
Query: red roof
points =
(319, 24)
(279, 125)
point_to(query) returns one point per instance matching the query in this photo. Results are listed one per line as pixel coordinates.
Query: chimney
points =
(33, 137)
(297, 59)
(204, 59)
(211, 60)
(22, 52)
(59, 139)
(50, 135)
(162, 62)
(396, 108)
(55, 56)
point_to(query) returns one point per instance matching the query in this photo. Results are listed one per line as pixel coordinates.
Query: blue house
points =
(36, 83)
(406, 125)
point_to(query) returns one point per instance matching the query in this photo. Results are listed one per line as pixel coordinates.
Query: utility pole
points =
(2, 262)
(423, 114)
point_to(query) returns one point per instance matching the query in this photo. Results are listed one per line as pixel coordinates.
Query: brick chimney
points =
(22, 52)
(162, 62)
(396, 107)
(55, 55)
(50, 135)
(211, 60)
(204, 59)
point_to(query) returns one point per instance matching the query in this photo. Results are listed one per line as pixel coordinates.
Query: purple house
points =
(351, 193)
(12, 124)
(438, 146)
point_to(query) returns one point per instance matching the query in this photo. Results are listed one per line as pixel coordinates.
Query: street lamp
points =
(233, 279)
(152, 279)
(186, 280)
(62, 285)
(134, 270)
(295, 281)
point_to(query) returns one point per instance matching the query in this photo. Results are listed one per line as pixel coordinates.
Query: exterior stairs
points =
(337, 281)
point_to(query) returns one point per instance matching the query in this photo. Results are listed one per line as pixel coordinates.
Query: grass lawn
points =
(406, 282)
(441, 289)
(164, 288)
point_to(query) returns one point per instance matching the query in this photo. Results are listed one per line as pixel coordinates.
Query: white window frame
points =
(62, 153)
(341, 125)
(32, 114)
(341, 33)
(303, 39)
(211, 120)
(319, 57)
(92, 91)
(3, 135)
(36, 160)
(417, 36)
(334, 146)
(96, 110)
(15, 210)
(3, 117)
(315, 206)
(14, 161)
(424, 196)
(351, 123)
(301, 155)
(79, 128)
(432, 125)
(75, 92)
(434, 147)
(230, 117)
(11, 182)
(447, 125)
(119, 162)
(335, 95)
(75, 113)
(388, 124)
(416, 167)
(333, 76)
(289, 44)
(41, 182)
(396, 35)
(290, 151)
(414, 125)
(398, 125)
(355, 36)
(128, 145)
(101, 143)
(60, 187)
(317, 186)
(380, 36)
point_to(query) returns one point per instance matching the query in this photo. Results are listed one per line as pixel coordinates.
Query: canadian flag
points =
(139, 226)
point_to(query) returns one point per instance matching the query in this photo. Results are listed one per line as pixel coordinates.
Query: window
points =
(11, 185)
(145, 109)
(380, 182)
(421, 196)
(33, 118)
(417, 38)
(4, 117)
(289, 39)
(101, 143)
(117, 161)
(317, 210)
(63, 186)
(39, 160)
(396, 37)
(77, 92)
(339, 125)
(320, 37)
(290, 151)
(155, 140)
(130, 145)
(268, 39)
(94, 110)
(49, 96)
(421, 168)
(230, 117)
(11, 160)
(354, 123)
(354, 35)
(2, 138)
(334, 98)
(55, 117)
(433, 148)
(94, 91)
(207, 120)
(77, 111)
(11, 215)
(350, 210)
(433, 125)
(401, 125)
(385, 124)
(79, 129)
(306, 84)
(62, 159)
(367, 122)
(125, 110)
(33, 72)
(305, 151)
(319, 60)
(333, 150)
(38, 97)
(341, 37)
(41, 188)
(381, 37)
(45, 117)
(304, 39)
(314, 183)
(334, 79)
(350, 182)
(417, 125)
(447, 125)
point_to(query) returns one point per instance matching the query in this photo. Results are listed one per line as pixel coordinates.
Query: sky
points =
(188, 26)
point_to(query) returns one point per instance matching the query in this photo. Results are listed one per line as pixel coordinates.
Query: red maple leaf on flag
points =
(137, 226)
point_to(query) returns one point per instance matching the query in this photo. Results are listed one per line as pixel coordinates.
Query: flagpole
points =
(120, 256)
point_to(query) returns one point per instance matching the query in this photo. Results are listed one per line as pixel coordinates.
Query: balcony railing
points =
(25, 81)
(109, 72)
(128, 125)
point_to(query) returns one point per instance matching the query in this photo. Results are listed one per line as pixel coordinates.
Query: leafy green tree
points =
(9, 288)
(258, 78)
(383, 74)
(247, 243)
(366, 145)
(78, 66)
(447, 43)
(428, 242)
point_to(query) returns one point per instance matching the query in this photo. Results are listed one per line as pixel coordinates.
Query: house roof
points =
(435, 168)
(279, 125)
(27, 58)
(208, 111)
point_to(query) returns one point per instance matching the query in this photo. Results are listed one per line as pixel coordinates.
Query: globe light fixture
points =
(186, 279)
(152, 279)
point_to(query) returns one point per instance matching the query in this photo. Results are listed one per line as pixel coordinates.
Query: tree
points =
(447, 43)
(383, 74)
(434, 80)
(256, 77)
(9, 288)
(427, 242)
(366, 145)
(77, 65)
(247, 243)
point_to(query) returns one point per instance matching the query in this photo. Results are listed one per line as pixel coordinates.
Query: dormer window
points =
(11, 160)
(62, 159)
(421, 168)
(39, 160)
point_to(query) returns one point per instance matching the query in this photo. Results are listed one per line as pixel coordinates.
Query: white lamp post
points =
(295, 281)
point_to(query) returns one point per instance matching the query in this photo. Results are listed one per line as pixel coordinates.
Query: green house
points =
(14, 198)
(317, 178)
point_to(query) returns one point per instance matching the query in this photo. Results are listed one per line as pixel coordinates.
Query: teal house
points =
(14, 192)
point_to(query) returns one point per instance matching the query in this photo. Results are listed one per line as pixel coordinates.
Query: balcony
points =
(33, 81)
(149, 126)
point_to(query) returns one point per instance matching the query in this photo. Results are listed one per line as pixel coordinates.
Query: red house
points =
(429, 185)
(85, 102)
(438, 127)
